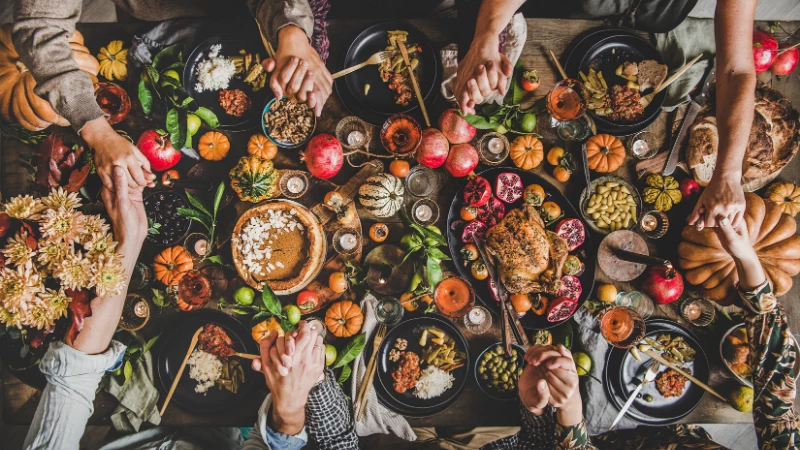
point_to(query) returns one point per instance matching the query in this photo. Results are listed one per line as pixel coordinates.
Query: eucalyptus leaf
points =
(351, 350)
(345, 375)
(145, 97)
(270, 301)
(195, 215)
(207, 116)
(199, 205)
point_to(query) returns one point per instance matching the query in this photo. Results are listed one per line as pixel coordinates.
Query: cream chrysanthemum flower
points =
(57, 303)
(60, 198)
(38, 317)
(18, 288)
(100, 244)
(17, 251)
(24, 207)
(10, 319)
(51, 253)
(74, 271)
(95, 224)
(108, 277)
(63, 224)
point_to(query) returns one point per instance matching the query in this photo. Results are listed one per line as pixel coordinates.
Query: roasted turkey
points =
(529, 258)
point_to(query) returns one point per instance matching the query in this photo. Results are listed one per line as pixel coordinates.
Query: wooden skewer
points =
(694, 380)
(558, 64)
(417, 91)
(177, 379)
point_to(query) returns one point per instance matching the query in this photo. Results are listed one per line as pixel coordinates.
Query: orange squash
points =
(214, 146)
(344, 319)
(605, 153)
(527, 152)
(260, 146)
(172, 264)
(18, 102)
(262, 329)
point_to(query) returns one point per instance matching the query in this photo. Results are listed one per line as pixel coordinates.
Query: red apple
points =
(786, 61)
(765, 50)
(462, 160)
(434, 148)
(456, 128)
(689, 187)
(663, 284)
(157, 148)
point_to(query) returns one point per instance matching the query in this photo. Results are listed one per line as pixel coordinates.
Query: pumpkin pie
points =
(280, 243)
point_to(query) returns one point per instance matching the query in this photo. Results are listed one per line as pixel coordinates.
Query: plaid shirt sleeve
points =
(329, 418)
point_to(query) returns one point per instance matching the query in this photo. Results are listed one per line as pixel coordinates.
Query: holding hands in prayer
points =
(482, 72)
(551, 378)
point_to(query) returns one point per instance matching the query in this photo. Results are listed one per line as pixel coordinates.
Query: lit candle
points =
(296, 185)
(692, 311)
(201, 247)
(495, 146)
(641, 148)
(424, 213)
(476, 316)
(649, 222)
(348, 241)
(140, 309)
(355, 137)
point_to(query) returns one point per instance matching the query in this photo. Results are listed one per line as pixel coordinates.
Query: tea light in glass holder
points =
(643, 145)
(425, 212)
(493, 148)
(654, 224)
(697, 311)
(294, 183)
(197, 245)
(478, 320)
(135, 313)
(346, 241)
(353, 133)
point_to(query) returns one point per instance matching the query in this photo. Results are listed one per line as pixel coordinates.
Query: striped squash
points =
(382, 195)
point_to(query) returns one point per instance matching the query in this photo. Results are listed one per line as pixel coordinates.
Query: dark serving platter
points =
(379, 103)
(604, 50)
(621, 368)
(171, 349)
(210, 99)
(411, 330)
(530, 321)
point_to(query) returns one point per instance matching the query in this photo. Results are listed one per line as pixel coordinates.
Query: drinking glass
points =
(389, 311)
(622, 327)
(573, 130)
(454, 297)
(565, 101)
(421, 181)
(637, 301)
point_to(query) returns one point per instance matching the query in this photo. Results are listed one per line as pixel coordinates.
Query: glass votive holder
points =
(493, 148)
(346, 241)
(294, 183)
(654, 224)
(135, 313)
(353, 133)
(425, 212)
(196, 244)
(697, 311)
(643, 145)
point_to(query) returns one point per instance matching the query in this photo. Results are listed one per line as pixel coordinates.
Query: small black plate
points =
(210, 99)
(380, 100)
(411, 330)
(604, 50)
(455, 225)
(621, 368)
(172, 349)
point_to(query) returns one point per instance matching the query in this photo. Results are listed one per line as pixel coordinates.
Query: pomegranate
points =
(456, 128)
(561, 308)
(663, 284)
(477, 192)
(324, 156)
(572, 231)
(570, 287)
(474, 227)
(508, 187)
(765, 50)
(786, 60)
(493, 289)
(689, 188)
(492, 212)
(434, 148)
(462, 160)
(156, 147)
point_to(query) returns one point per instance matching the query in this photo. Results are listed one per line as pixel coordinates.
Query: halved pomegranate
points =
(492, 212)
(477, 192)
(475, 227)
(493, 289)
(508, 187)
(561, 309)
(570, 287)
(572, 231)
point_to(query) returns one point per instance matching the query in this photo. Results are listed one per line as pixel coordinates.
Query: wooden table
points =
(472, 408)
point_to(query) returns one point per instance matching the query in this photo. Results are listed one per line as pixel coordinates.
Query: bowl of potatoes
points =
(609, 204)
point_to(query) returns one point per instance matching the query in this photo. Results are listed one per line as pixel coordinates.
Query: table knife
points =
(585, 160)
(651, 375)
(697, 103)
(640, 258)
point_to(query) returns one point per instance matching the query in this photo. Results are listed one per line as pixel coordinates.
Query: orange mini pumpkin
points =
(260, 146)
(527, 152)
(214, 146)
(605, 153)
(344, 319)
(172, 264)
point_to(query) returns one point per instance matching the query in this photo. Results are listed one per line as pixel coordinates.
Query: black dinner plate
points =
(172, 349)
(604, 50)
(455, 225)
(621, 368)
(380, 100)
(411, 330)
(210, 99)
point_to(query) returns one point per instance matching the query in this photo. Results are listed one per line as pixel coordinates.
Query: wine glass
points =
(622, 327)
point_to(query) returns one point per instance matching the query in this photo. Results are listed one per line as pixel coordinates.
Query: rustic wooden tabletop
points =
(472, 408)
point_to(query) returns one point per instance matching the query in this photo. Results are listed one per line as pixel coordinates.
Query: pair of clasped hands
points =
(550, 378)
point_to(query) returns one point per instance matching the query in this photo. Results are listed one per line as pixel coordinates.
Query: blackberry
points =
(162, 208)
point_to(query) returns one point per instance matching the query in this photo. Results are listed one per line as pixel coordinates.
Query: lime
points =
(409, 241)
(330, 354)
(583, 363)
(742, 399)
(244, 296)
(528, 123)
(607, 293)
(192, 124)
(292, 314)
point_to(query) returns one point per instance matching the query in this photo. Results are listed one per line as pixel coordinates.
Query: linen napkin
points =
(377, 418)
(677, 47)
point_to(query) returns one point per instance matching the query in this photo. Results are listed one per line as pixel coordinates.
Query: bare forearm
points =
(287, 420)
(749, 269)
(493, 17)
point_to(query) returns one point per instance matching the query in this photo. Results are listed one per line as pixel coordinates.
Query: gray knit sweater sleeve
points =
(276, 14)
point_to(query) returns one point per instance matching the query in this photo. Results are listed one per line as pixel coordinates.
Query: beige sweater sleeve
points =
(40, 32)
(276, 14)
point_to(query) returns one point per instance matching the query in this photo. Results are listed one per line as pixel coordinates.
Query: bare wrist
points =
(291, 35)
(95, 129)
(570, 415)
(287, 420)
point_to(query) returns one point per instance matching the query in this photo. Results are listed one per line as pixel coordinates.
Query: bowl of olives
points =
(497, 374)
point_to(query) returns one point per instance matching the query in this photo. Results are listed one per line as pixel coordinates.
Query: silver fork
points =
(377, 58)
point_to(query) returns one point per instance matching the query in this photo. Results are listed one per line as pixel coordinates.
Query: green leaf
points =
(434, 272)
(286, 325)
(436, 237)
(438, 254)
(149, 344)
(271, 302)
(409, 255)
(216, 259)
(481, 123)
(154, 78)
(127, 371)
(167, 57)
(196, 215)
(351, 350)
(160, 299)
(145, 97)
(260, 317)
(207, 116)
(239, 311)
(218, 198)
(345, 375)
(176, 126)
(198, 204)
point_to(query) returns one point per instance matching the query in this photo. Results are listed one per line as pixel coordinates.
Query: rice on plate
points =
(216, 72)
(204, 368)
(433, 382)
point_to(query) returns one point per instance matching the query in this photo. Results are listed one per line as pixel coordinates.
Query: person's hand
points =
(483, 70)
(125, 209)
(110, 150)
(533, 390)
(297, 71)
(735, 241)
(558, 370)
(723, 197)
